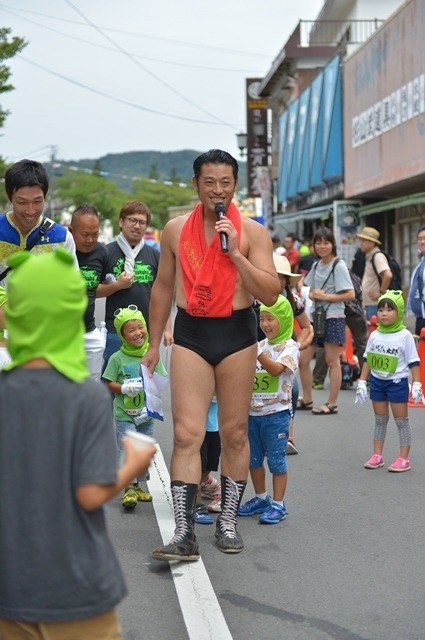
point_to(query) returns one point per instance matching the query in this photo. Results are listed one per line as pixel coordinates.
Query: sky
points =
(101, 77)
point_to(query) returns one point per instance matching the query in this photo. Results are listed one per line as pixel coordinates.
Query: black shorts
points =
(216, 338)
(210, 451)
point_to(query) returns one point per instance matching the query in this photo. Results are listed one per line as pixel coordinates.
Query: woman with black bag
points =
(330, 287)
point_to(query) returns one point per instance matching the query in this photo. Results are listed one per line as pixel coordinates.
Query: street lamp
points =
(242, 139)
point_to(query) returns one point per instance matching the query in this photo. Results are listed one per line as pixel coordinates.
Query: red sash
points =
(209, 275)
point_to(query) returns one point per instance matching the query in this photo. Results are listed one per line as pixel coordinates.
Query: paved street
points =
(347, 564)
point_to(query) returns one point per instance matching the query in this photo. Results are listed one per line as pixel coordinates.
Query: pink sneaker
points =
(374, 462)
(399, 465)
(212, 489)
(215, 505)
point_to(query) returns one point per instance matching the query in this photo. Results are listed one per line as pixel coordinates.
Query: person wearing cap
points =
(372, 290)
(60, 576)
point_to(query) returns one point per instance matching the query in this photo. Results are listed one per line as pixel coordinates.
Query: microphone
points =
(220, 211)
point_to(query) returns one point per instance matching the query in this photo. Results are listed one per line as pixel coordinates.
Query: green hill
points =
(175, 166)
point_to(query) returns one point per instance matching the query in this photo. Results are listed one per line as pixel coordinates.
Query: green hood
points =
(397, 298)
(44, 315)
(282, 311)
(123, 316)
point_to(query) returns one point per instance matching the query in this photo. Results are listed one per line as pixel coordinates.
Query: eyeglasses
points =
(136, 222)
(131, 307)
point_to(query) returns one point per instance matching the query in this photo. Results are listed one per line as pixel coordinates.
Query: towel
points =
(129, 252)
(209, 275)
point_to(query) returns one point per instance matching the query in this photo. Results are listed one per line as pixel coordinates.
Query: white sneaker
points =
(291, 449)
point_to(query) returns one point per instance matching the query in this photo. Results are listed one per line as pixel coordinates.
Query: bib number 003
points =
(384, 363)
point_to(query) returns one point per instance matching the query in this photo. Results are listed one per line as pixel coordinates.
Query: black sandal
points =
(304, 406)
(332, 410)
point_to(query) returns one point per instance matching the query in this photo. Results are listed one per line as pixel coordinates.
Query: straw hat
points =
(369, 233)
(284, 268)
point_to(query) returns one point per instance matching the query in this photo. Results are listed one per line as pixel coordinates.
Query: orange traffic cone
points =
(373, 323)
(349, 353)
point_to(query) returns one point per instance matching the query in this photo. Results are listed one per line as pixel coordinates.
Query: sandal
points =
(304, 406)
(321, 411)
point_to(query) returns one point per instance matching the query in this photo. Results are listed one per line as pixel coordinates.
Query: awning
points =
(395, 203)
(315, 213)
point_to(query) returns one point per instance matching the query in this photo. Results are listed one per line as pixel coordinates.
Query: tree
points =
(159, 196)
(174, 176)
(153, 172)
(8, 49)
(78, 187)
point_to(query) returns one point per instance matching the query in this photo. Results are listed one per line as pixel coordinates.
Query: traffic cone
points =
(373, 323)
(349, 353)
(421, 354)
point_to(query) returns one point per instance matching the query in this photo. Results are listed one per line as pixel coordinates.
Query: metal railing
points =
(324, 33)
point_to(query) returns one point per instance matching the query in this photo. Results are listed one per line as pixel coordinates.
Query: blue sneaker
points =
(201, 515)
(253, 506)
(274, 514)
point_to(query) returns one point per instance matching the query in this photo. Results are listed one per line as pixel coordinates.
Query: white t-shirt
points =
(273, 393)
(390, 354)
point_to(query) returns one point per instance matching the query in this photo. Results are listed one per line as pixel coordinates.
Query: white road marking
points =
(201, 611)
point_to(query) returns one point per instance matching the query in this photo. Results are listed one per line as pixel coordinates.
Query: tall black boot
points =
(183, 545)
(228, 539)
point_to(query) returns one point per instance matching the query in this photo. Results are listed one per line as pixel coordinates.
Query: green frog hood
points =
(120, 319)
(44, 314)
(397, 298)
(282, 311)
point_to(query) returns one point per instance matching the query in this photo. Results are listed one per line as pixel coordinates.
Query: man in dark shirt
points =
(92, 259)
(133, 266)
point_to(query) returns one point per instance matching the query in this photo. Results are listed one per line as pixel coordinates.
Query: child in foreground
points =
(123, 377)
(60, 576)
(270, 413)
(390, 355)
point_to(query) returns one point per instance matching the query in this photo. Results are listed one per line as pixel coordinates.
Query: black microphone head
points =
(220, 209)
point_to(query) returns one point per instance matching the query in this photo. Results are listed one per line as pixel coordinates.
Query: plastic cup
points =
(139, 440)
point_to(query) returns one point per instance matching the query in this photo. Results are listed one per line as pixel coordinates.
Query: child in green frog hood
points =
(390, 355)
(123, 377)
(270, 413)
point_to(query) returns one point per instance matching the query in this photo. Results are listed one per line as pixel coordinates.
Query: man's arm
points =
(257, 270)
(124, 281)
(386, 277)
(162, 295)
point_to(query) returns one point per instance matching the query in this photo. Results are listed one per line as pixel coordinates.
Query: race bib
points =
(134, 406)
(382, 362)
(265, 385)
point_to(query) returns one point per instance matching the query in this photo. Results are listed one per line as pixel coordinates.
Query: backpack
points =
(353, 307)
(395, 270)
